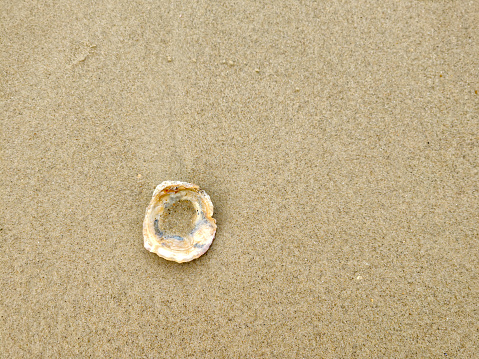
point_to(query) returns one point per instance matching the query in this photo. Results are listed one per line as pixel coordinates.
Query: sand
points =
(339, 142)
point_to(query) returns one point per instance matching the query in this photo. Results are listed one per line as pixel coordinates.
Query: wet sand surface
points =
(338, 141)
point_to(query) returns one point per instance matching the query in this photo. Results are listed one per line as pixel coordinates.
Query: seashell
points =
(175, 247)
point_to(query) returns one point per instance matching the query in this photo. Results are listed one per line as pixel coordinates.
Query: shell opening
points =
(178, 219)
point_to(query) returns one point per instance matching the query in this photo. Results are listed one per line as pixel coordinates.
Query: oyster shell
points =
(174, 247)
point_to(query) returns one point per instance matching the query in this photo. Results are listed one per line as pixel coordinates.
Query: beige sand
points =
(338, 140)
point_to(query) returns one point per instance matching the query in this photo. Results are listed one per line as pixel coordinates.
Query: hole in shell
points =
(179, 219)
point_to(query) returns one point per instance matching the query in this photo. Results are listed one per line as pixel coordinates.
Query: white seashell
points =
(174, 247)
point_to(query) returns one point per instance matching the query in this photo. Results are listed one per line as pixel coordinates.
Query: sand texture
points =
(338, 141)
